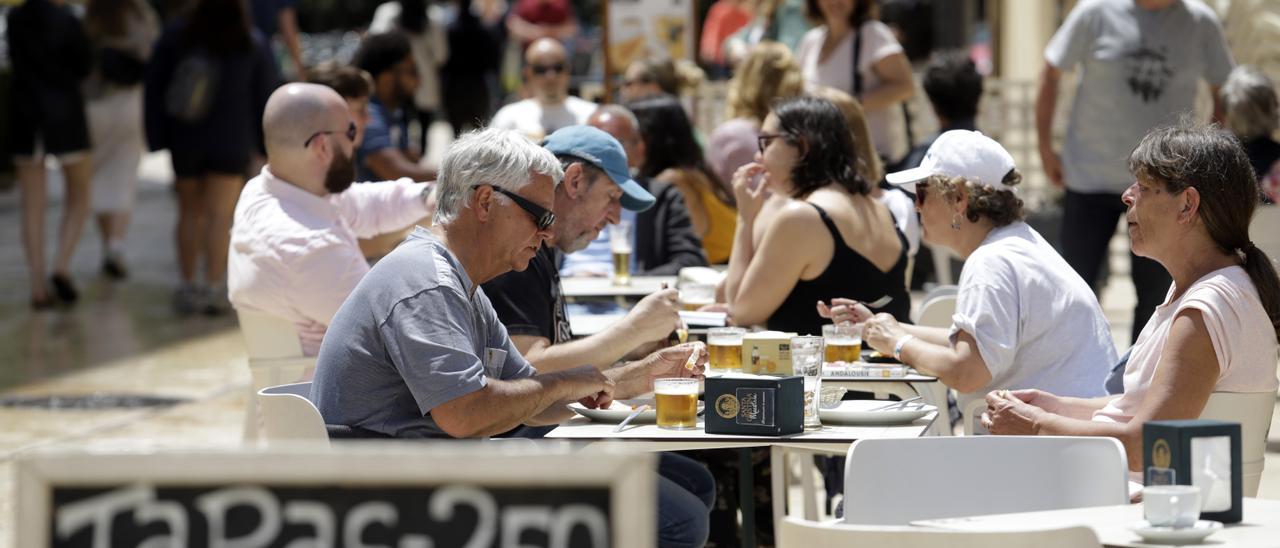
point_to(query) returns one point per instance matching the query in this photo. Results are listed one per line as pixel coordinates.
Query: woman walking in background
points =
(121, 32)
(206, 87)
(50, 56)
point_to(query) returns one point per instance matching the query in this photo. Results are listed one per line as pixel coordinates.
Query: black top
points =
(849, 275)
(1263, 153)
(531, 303)
(665, 240)
(233, 125)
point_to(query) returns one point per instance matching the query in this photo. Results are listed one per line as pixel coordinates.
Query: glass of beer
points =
(844, 342)
(806, 361)
(725, 346)
(677, 402)
(695, 296)
(620, 245)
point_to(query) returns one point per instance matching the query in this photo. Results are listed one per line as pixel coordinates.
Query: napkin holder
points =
(1204, 453)
(755, 405)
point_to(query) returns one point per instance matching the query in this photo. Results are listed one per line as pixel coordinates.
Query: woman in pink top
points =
(1216, 331)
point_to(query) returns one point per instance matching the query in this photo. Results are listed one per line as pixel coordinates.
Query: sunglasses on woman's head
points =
(542, 217)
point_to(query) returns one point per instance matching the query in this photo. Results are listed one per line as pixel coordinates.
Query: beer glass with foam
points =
(620, 245)
(725, 346)
(677, 402)
(843, 341)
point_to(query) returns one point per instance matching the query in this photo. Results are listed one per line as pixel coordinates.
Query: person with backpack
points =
(205, 91)
(50, 57)
(121, 33)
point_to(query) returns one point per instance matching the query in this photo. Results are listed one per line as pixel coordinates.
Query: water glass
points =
(806, 360)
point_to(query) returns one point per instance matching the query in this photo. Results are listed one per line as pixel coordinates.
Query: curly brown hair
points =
(1001, 207)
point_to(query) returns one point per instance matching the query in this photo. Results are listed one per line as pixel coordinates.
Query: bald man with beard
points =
(294, 251)
(549, 107)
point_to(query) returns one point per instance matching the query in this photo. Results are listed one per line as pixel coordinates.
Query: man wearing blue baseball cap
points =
(595, 189)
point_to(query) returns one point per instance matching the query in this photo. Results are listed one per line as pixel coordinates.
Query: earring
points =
(955, 222)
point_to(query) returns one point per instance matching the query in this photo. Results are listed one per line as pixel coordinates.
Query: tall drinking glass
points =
(620, 245)
(677, 401)
(695, 296)
(844, 342)
(725, 346)
(806, 360)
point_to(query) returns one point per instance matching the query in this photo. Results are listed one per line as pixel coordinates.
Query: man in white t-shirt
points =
(546, 73)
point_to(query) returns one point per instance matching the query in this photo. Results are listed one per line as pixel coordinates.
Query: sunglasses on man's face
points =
(351, 134)
(543, 218)
(543, 69)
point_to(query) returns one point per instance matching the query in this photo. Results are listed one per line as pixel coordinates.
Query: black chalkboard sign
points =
(413, 498)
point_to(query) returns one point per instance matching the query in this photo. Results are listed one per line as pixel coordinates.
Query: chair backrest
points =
(937, 311)
(897, 481)
(289, 415)
(1264, 230)
(1253, 411)
(794, 532)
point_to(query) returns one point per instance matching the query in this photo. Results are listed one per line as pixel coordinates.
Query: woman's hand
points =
(844, 311)
(1008, 415)
(1039, 398)
(882, 331)
(749, 193)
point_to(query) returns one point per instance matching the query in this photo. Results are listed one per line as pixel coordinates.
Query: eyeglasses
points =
(920, 193)
(765, 138)
(542, 217)
(543, 69)
(351, 134)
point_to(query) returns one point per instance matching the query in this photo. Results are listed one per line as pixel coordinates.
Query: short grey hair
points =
(620, 111)
(1249, 99)
(498, 157)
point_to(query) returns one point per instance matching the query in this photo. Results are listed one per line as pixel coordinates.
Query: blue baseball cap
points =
(603, 151)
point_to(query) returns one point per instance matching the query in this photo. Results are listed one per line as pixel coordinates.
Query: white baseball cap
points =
(960, 153)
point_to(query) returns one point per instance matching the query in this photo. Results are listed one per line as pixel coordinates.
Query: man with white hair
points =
(417, 351)
(294, 251)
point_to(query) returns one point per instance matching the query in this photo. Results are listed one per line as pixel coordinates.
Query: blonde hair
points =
(769, 72)
(869, 166)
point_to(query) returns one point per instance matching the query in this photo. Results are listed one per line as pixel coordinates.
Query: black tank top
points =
(849, 275)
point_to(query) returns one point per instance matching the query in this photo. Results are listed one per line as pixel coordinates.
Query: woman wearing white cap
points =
(1024, 318)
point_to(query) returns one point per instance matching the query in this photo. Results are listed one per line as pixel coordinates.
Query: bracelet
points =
(897, 347)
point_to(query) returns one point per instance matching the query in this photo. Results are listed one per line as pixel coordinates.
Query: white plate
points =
(1168, 535)
(619, 411)
(865, 412)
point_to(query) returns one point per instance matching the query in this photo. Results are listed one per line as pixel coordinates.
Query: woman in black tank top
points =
(779, 268)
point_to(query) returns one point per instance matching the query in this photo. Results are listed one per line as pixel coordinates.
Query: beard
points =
(342, 172)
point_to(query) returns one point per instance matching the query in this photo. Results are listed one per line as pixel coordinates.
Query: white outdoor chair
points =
(936, 311)
(794, 532)
(897, 481)
(1253, 412)
(275, 358)
(289, 416)
(1264, 230)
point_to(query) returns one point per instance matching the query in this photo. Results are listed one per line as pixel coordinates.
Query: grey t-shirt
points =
(410, 338)
(1036, 322)
(1140, 70)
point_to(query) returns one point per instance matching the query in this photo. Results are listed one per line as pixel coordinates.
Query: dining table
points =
(828, 440)
(1260, 526)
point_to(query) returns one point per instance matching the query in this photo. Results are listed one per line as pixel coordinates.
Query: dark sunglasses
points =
(542, 217)
(921, 189)
(543, 69)
(765, 138)
(351, 134)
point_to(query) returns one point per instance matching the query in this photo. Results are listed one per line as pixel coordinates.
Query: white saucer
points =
(1168, 535)
(872, 412)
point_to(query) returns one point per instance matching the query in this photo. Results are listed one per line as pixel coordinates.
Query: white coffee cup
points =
(1176, 506)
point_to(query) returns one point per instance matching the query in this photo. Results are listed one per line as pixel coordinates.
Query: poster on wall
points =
(641, 28)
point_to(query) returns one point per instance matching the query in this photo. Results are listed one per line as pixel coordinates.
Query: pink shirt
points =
(294, 254)
(1241, 332)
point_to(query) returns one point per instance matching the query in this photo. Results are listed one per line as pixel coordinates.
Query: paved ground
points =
(123, 339)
